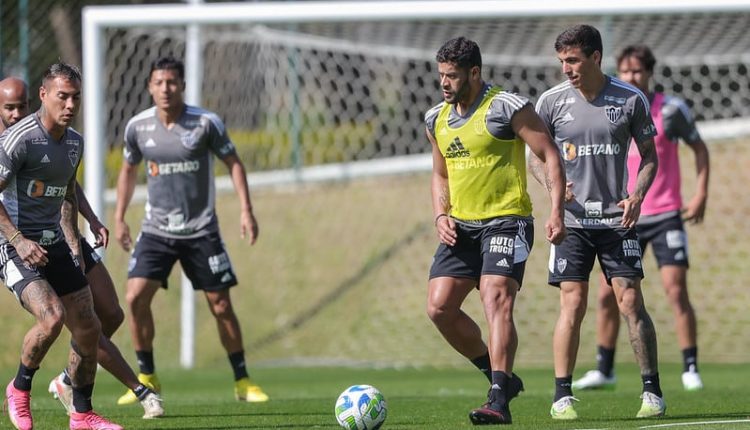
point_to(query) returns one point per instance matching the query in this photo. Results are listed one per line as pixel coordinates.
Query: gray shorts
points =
(62, 271)
(617, 249)
(495, 247)
(668, 240)
(204, 260)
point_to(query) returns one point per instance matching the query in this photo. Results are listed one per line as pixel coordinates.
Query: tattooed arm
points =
(69, 220)
(529, 127)
(646, 173)
(30, 252)
(441, 196)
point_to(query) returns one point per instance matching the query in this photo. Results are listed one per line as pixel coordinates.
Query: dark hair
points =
(168, 63)
(460, 51)
(640, 52)
(61, 70)
(581, 36)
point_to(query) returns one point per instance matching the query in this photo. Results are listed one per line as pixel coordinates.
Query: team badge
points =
(613, 113)
(189, 139)
(73, 156)
(562, 263)
(478, 125)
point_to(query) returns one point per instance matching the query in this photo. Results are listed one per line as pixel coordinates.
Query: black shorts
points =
(498, 247)
(62, 271)
(618, 251)
(668, 239)
(90, 257)
(204, 260)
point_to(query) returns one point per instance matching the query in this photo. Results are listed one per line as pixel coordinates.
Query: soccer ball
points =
(361, 407)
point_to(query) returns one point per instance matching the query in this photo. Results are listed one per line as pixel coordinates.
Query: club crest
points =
(562, 263)
(73, 156)
(613, 113)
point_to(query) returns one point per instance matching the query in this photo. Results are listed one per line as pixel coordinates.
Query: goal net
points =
(340, 272)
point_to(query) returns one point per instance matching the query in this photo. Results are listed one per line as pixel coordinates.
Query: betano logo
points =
(456, 150)
(571, 151)
(37, 188)
(155, 169)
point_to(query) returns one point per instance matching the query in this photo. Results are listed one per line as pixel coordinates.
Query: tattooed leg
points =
(640, 327)
(85, 329)
(41, 301)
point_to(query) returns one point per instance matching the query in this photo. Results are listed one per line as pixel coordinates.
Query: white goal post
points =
(98, 19)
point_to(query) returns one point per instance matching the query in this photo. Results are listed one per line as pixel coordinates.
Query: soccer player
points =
(660, 223)
(14, 105)
(39, 156)
(482, 214)
(593, 118)
(178, 142)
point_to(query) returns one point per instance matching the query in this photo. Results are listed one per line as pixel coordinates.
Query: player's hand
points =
(631, 211)
(100, 233)
(695, 210)
(446, 230)
(122, 233)
(555, 230)
(31, 252)
(569, 196)
(249, 227)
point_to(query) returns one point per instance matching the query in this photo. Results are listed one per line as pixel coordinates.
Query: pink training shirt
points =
(673, 121)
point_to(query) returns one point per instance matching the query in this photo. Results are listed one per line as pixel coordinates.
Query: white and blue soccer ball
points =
(361, 407)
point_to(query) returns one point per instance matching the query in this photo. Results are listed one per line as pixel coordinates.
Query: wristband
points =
(438, 217)
(13, 236)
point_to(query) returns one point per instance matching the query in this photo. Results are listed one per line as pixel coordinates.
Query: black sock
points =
(483, 364)
(500, 386)
(651, 384)
(82, 398)
(563, 387)
(140, 391)
(605, 360)
(237, 360)
(24, 377)
(145, 361)
(690, 359)
(66, 378)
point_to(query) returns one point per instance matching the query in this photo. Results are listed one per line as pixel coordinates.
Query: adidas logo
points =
(568, 117)
(456, 150)
(637, 264)
(227, 277)
(679, 256)
(45, 159)
(150, 143)
(502, 263)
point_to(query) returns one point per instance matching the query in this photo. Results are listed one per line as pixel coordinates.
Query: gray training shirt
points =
(497, 119)
(179, 169)
(593, 138)
(37, 170)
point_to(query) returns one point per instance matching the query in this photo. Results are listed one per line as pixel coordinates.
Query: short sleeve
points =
(12, 156)
(218, 139)
(678, 122)
(502, 109)
(642, 125)
(131, 152)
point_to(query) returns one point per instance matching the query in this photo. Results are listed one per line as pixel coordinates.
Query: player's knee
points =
(136, 300)
(222, 308)
(111, 321)
(440, 313)
(86, 334)
(53, 322)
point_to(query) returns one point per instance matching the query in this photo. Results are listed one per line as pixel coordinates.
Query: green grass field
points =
(303, 398)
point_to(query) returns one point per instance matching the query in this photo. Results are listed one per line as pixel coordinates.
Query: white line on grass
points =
(694, 423)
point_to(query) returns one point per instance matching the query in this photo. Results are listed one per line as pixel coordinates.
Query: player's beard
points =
(460, 93)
